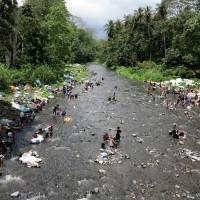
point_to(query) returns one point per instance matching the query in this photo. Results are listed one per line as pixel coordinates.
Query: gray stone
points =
(15, 194)
(134, 134)
(142, 191)
(181, 142)
(96, 190)
(102, 171)
(177, 186)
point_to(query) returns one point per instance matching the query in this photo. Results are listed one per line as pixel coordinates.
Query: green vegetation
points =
(78, 71)
(141, 72)
(168, 36)
(38, 40)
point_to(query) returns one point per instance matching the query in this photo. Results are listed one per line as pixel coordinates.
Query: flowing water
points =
(154, 171)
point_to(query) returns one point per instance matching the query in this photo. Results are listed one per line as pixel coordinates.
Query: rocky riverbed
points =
(149, 164)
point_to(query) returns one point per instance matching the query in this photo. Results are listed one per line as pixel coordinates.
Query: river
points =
(154, 171)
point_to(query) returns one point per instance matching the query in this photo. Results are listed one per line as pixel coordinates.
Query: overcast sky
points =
(96, 13)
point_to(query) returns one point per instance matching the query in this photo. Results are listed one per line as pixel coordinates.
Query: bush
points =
(45, 74)
(4, 77)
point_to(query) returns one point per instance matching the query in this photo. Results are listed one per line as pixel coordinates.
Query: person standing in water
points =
(118, 134)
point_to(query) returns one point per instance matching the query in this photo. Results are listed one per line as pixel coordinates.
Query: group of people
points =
(8, 132)
(42, 134)
(112, 141)
(184, 98)
(176, 133)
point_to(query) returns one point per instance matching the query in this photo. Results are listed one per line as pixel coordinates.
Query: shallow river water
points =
(155, 170)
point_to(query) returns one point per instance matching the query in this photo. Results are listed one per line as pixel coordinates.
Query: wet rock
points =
(134, 134)
(15, 194)
(190, 197)
(142, 191)
(126, 156)
(96, 190)
(177, 186)
(178, 195)
(102, 171)
(134, 182)
(198, 195)
(140, 140)
(143, 166)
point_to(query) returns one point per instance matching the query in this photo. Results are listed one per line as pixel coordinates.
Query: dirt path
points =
(154, 171)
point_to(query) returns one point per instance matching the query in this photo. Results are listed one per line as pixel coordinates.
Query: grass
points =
(142, 74)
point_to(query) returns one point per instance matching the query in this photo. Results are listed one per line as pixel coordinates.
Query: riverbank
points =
(156, 168)
(151, 72)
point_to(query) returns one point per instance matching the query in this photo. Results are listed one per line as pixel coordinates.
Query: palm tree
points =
(118, 26)
(162, 14)
(110, 29)
(148, 14)
(139, 15)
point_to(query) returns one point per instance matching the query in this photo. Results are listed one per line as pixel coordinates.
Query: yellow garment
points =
(67, 119)
(12, 87)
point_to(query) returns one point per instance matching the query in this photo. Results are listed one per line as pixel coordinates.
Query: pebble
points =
(15, 194)
(126, 156)
(184, 195)
(134, 182)
(181, 142)
(96, 190)
(177, 186)
(102, 171)
(134, 135)
(178, 195)
(176, 175)
(142, 191)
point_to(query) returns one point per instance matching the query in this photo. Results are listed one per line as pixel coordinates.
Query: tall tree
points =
(8, 30)
(162, 15)
(148, 14)
(110, 29)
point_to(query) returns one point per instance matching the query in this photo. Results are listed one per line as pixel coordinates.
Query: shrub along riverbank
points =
(151, 71)
(43, 73)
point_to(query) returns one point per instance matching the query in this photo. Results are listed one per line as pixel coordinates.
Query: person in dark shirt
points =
(118, 134)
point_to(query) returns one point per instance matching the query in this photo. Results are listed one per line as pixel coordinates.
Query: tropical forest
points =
(41, 38)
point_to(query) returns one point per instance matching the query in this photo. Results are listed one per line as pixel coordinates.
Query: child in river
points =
(118, 132)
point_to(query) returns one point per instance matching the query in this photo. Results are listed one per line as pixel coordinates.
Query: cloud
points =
(96, 13)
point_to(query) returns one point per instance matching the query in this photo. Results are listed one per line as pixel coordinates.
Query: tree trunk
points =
(150, 56)
(11, 52)
(14, 37)
(164, 42)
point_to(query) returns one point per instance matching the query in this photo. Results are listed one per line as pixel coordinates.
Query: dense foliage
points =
(168, 36)
(38, 39)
